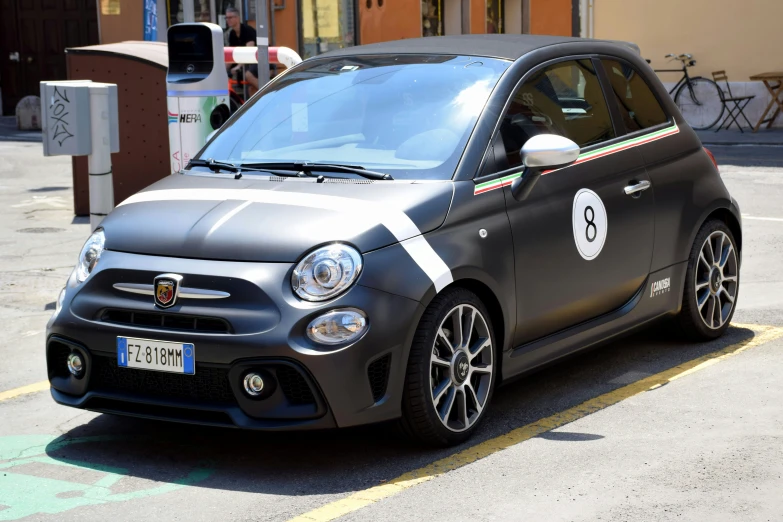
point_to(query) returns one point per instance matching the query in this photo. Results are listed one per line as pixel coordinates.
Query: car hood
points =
(263, 219)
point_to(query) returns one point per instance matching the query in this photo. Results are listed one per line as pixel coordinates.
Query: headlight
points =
(337, 326)
(326, 272)
(89, 256)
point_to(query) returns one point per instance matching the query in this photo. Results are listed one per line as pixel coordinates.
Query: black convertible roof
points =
(507, 46)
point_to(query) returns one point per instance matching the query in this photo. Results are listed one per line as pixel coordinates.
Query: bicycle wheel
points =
(701, 105)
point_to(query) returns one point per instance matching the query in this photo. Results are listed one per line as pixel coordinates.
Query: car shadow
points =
(337, 461)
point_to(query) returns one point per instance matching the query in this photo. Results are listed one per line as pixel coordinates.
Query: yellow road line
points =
(361, 499)
(24, 390)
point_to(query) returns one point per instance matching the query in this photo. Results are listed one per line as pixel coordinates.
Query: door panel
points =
(575, 259)
(558, 287)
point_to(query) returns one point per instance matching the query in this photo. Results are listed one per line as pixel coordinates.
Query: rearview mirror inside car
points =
(541, 153)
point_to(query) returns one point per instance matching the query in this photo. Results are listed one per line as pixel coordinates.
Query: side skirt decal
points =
(481, 188)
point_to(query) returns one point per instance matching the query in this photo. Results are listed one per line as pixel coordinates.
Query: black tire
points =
(704, 108)
(420, 419)
(710, 282)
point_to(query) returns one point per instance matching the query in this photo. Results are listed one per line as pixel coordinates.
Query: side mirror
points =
(540, 153)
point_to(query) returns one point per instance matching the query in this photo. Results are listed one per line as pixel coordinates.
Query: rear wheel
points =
(701, 104)
(711, 283)
(451, 370)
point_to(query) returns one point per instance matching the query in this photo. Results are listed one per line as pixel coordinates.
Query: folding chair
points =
(739, 102)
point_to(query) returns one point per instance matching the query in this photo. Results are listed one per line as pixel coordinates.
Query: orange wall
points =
(394, 20)
(285, 27)
(478, 16)
(550, 17)
(128, 25)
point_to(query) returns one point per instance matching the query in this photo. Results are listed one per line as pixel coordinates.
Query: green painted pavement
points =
(22, 495)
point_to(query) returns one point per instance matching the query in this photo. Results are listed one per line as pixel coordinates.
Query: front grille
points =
(378, 375)
(294, 386)
(166, 321)
(208, 384)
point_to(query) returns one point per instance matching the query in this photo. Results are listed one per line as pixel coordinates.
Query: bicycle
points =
(698, 98)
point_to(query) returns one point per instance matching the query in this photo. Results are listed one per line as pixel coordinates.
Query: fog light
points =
(337, 326)
(75, 364)
(254, 384)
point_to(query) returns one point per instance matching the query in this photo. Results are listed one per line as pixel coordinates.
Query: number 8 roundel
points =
(590, 223)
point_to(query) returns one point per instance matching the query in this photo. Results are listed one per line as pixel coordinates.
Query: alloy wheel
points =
(716, 280)
(461, 368)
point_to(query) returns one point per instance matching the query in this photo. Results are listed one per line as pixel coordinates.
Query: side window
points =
(564, 99)
(638, 105)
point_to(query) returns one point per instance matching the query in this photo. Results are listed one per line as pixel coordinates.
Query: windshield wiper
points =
(308, 168)
(214, 166)
(217, 166)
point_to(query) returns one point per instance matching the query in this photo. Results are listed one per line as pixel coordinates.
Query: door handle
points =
(634, 190)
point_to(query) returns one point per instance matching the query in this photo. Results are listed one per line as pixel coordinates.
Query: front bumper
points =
(263, 328)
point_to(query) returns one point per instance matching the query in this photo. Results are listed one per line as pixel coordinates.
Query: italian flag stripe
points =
(583, 158)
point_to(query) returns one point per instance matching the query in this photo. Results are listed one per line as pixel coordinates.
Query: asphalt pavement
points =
(645, 428)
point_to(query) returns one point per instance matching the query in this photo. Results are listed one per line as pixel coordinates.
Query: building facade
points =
(721, 34)
(312, 27)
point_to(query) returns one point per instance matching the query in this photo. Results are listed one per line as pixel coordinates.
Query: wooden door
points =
(35, 36)
(10, 70)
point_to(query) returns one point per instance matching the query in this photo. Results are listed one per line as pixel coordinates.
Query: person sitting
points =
(239, 35)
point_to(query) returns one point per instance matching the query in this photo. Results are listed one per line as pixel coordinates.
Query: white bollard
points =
(99, 160)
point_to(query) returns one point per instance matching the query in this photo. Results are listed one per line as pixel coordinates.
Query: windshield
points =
(408, 116)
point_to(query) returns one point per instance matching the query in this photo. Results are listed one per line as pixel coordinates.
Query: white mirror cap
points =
(549, 150)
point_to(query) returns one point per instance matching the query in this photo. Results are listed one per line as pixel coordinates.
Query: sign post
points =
(262, 41)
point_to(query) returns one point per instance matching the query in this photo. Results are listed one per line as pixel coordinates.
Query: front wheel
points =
(451, 370)
(700, 103)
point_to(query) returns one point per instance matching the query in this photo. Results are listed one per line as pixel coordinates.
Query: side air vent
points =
(378, 376)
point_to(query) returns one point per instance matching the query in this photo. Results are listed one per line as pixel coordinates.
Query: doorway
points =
(33, 39)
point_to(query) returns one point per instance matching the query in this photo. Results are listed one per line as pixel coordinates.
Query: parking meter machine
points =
(196, 88)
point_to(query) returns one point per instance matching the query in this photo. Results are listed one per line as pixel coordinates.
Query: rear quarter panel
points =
(687, 189)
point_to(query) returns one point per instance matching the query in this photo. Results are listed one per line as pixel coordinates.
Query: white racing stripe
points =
(394, 219)
(222, 221)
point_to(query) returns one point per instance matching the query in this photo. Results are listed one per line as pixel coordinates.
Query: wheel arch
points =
(495, 310)
(725, 215)
(722, 210)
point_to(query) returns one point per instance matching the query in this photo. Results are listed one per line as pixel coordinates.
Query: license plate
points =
(161, 356)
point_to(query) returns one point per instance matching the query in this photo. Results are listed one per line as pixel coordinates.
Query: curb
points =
(740, 144)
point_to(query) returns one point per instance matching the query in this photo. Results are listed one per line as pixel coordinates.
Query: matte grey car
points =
(391, 231)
